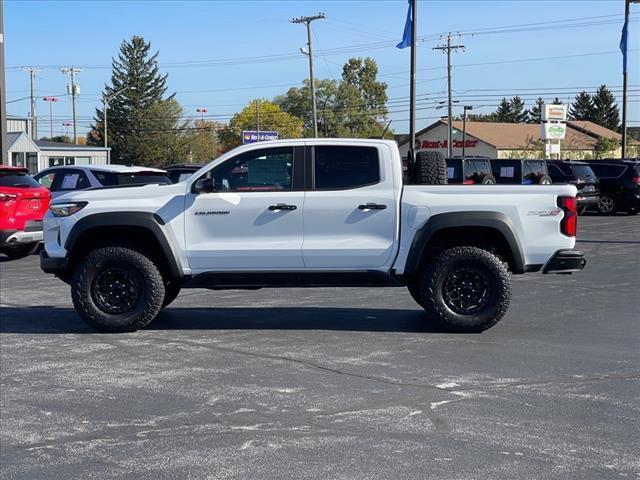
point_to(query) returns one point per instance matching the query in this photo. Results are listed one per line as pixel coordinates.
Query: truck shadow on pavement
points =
(51, 320)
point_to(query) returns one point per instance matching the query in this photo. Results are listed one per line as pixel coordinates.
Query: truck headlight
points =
(67, 208)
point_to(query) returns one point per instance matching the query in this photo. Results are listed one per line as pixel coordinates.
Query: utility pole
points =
(257, 120)
(34, 118)
(73, 90)
(448, 48)
(4, 148)
(307, 21)
(464, 128)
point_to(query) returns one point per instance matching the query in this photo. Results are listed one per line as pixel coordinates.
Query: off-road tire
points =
(545, 180)
(488, 180)
(437, 273)
(431, 168)
(149, 289)
(171, 291)
(19, 250)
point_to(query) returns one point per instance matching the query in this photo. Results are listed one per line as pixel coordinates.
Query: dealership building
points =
(511, 140)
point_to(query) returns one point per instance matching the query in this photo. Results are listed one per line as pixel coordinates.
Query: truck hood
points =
(123, 193)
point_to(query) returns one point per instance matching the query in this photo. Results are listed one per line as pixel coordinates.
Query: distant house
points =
(38, 155)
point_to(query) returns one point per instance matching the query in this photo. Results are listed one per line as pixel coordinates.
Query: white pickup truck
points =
(308, 213)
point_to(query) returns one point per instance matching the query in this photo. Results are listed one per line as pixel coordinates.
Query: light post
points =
(66, 130)
(50, 100)
(464, 128)
(105, 104)
(202, 111)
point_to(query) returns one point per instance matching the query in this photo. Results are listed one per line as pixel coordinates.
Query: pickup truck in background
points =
(309, 213)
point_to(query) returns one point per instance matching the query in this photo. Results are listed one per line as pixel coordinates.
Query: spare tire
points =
(488, 180)
(431, 168)
(545, 180)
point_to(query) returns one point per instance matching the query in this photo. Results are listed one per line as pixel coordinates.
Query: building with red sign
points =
(512, 140)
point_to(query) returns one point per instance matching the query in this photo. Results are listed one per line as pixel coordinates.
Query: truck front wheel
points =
(117, 289)
(465, 289)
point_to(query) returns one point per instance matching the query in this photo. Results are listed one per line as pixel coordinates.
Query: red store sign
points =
(443, 144)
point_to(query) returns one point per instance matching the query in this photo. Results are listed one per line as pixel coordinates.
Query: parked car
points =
(579, 174)
(619, 185)
(23, 203)
(522, 172)
(181, 171)
(309, 212)
(469, 171)
(65, 179)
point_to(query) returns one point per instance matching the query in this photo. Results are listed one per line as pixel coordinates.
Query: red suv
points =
(23, 203)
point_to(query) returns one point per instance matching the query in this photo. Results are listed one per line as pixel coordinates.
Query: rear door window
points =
(73, 180)
(608, 170)
(342, 168)
(17, 180)
(555, 173)
(532, 171)
(109, 179)
(454, 170)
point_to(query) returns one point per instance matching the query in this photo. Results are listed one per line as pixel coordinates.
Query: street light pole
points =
(464, 128)
(627, 5)
(50, 100)
(307, 21)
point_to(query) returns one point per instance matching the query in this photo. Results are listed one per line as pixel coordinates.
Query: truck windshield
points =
(109, 179)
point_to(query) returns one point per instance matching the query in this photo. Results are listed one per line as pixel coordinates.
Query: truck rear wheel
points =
(117, 289)
(465, 289)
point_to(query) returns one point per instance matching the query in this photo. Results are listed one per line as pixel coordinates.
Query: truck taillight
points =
(569, 223)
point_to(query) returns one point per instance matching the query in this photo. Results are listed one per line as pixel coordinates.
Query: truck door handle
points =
(372, 206)
(281, 206)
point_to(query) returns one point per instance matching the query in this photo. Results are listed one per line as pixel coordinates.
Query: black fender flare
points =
(148, 220)
(494, 220)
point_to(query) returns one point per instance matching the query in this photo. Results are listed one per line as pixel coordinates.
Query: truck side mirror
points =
(203, 185)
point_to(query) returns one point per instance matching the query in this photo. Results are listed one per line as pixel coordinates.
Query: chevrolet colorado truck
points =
(308, 213)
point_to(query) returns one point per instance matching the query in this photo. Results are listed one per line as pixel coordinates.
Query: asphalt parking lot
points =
(330, 383)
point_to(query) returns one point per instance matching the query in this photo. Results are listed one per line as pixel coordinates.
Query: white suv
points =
(65, 179)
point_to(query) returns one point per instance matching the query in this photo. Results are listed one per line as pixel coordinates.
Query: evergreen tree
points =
(582, 107)
(139, 111)
(557, 101)
(504, 113)
(519, 113)
(605, 109)
(535, 114)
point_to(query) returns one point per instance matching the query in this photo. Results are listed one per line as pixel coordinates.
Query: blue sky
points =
(515, 60)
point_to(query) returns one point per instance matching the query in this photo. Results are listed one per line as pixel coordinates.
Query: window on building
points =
(340, 168)
(32, 163)
(69, 161)
(56, 161)
(83, 160)
(17, 159)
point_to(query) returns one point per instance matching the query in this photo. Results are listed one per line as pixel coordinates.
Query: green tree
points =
(140, 110)
(535, 114)
(59, 139)
(582, 107)
(270, 116)
(604, 147)
(605, 109)
(482, 117)
(297, 102)
(504, 112)
(557, 101)
(201, 141)
(355, 107)
(519, 113)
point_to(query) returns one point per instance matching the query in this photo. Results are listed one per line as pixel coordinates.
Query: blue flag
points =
(623, 44)
(406, 35)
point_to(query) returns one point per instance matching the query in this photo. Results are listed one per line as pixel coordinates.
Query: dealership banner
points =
(252, 136)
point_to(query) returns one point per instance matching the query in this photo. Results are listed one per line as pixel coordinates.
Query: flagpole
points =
(412, 94)
(623, 152)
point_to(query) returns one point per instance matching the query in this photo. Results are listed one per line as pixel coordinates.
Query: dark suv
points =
(469, 171)
(579, 174)
(619, 185)
(181, 171)
(523, 172)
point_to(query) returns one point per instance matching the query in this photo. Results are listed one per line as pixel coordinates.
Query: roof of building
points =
(48, 145)
(595, 130)
(12, 138)
(521, 135)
